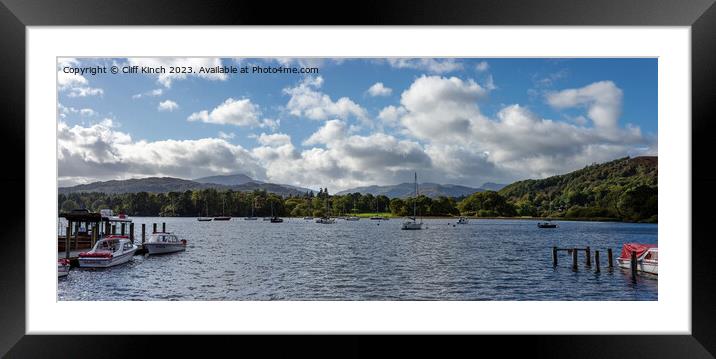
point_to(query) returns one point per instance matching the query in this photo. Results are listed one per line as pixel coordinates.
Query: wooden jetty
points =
(574, 252)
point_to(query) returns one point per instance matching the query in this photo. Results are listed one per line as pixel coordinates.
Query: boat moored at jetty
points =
(63, 267)
(107, 252)
(162, 242)
(647, 257)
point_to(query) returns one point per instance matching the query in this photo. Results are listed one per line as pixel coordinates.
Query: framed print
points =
(495, 174)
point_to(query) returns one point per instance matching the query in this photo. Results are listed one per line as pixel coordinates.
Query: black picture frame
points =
(16, 15)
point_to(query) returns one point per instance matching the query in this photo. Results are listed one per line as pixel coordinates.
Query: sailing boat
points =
(275, 219)
(222, 217)
(412, 223)
(354, 217)
(309, 217)
(377, 217)
(326, 219)
(207, 218)
(252, 218)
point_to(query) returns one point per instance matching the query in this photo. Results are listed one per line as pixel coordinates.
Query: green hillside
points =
(623, 189)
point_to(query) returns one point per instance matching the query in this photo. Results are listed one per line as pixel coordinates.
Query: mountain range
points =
(433, 190)
(237, 182)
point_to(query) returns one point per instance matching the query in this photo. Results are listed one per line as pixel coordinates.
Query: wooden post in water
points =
(589, 256)
(164, 227)
(131, 232)
(574, 259)
(143, 233)
(633, 265)
(68, 232)
(121, 228)
(554, 256)
(609, 258)
(596, 260)
(154, 228)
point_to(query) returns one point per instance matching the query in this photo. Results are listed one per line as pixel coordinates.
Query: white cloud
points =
(431, 65)
(390, 115)
(603, 101)
(378, 89)
(226, 136)
(231, 112)
(167, 105)
(274, 139)
(152, 93)
(101, 152)
(482, 66)
(75, 85)
(166, 79)
(307, 101)
(84, 112)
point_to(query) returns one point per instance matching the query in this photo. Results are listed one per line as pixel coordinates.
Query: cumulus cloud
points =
(482, 66)
(167, 105)
(166, 79)
(231, 112)
(101, 152)
(390, 115)
(431, 65)
(83, 112)
(378, 89)
(75, 85)
(226, 136)
(603, 101)
(307, 101)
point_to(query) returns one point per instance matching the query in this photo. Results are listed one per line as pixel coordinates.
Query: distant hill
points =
(489, 186)
(405, 190)
(227, 180)
(171, 184)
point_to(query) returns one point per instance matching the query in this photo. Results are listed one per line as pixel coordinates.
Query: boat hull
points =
(101, 262)
(412, 226)
(162, 248)
(645, 266)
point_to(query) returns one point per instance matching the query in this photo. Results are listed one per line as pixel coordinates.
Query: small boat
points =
(352, 218)
(326, 220)
(462, 220)
(107, 252)
(162, 242)
(63, 267)
(377, 218)
(207, 218)
(546, 225)
(308, 218)
(251, 218)
(647, 257)
(222, 217)
(276, 220)
(412, 223)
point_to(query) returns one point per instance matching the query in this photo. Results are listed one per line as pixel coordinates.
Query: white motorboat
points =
(107, 252)
(462, 220)
(412, 223)
(63, 267)
(161, 242)
(352, 218)
(308, 218)
(326, 220)
(647, 257)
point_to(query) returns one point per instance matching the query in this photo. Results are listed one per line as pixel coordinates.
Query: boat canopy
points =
(639, 248)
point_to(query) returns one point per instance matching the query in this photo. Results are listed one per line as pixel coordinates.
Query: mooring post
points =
(554, 256)
(633, 265)
(94, 233)
(596, 260)
(154, 228)
(574, 259)
(164, 227)
(609, 258)
(589, 256)
(121, 229)
(68, 232)
(143, 233)
(131, 232)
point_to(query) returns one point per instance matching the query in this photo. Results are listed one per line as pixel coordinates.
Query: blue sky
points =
(463, 121)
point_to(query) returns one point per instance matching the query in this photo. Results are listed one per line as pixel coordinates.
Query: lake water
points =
(370, 260)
